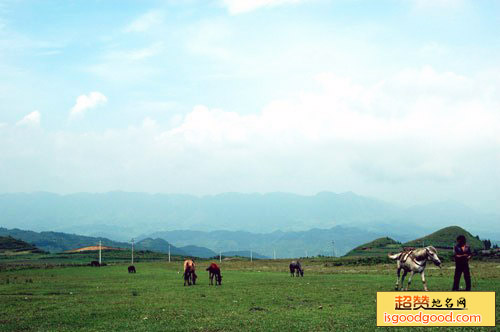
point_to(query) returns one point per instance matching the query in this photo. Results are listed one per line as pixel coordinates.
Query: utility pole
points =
(274, 254)
(132, 251)
(251, 256)
(333, 248)
(100, 256)
(220, 256)
(169, 252)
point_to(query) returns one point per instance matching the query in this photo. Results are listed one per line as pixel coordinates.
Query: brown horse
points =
(214, 271)
(189, 273)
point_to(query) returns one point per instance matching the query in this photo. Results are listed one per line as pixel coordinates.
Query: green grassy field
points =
(258, 296)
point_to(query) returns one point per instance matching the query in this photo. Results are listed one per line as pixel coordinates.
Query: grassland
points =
(254, 296)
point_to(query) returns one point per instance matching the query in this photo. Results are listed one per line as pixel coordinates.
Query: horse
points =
(189, 272)
(214, 271)
(95, 264)
(296, 269)
(414, 261)
(131, 269)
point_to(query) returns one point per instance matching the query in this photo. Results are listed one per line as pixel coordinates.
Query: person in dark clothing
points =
(462, 254)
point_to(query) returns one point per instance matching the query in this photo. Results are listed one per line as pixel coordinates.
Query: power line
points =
(132, 252)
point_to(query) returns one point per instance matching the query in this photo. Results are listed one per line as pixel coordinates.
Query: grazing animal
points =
(214, 271)
(296, 269)
(131, 269)
(189, 273)
(95, 264)
(414, 261)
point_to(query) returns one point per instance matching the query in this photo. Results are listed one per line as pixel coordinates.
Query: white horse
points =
(414, 261)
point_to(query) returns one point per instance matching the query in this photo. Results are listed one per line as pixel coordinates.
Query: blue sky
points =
(394, 99)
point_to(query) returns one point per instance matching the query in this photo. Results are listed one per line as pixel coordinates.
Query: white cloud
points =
(425, 100)
(244, 6)
(145, 22)
(85, 102)
(32, 119)
(417, 124)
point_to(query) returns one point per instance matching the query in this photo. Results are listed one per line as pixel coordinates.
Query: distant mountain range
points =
(122, 215)
(59, 242)
(284, 244)
(281, 244)
(286, 223)
(210, 244)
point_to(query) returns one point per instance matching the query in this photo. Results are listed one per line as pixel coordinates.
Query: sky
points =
(394, 99)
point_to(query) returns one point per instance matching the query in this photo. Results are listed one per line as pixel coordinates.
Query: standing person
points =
(462, 254)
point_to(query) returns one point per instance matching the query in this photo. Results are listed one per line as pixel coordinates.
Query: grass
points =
(258, 296)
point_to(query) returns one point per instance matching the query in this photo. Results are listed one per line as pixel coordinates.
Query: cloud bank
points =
(417, 133)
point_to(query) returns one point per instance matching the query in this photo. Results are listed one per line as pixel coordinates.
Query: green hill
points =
(445, 238)
(378, 247)
(9, 244)
(159, 245)
(60, 242)
(57, 241)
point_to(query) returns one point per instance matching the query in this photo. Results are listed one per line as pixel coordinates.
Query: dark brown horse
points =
(214, 271)
(131, 269)
(296, 269)
(95, 264)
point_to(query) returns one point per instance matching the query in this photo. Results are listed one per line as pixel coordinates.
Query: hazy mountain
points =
(121, 215)
(198, 251)
(285, 244)
(125, 214)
